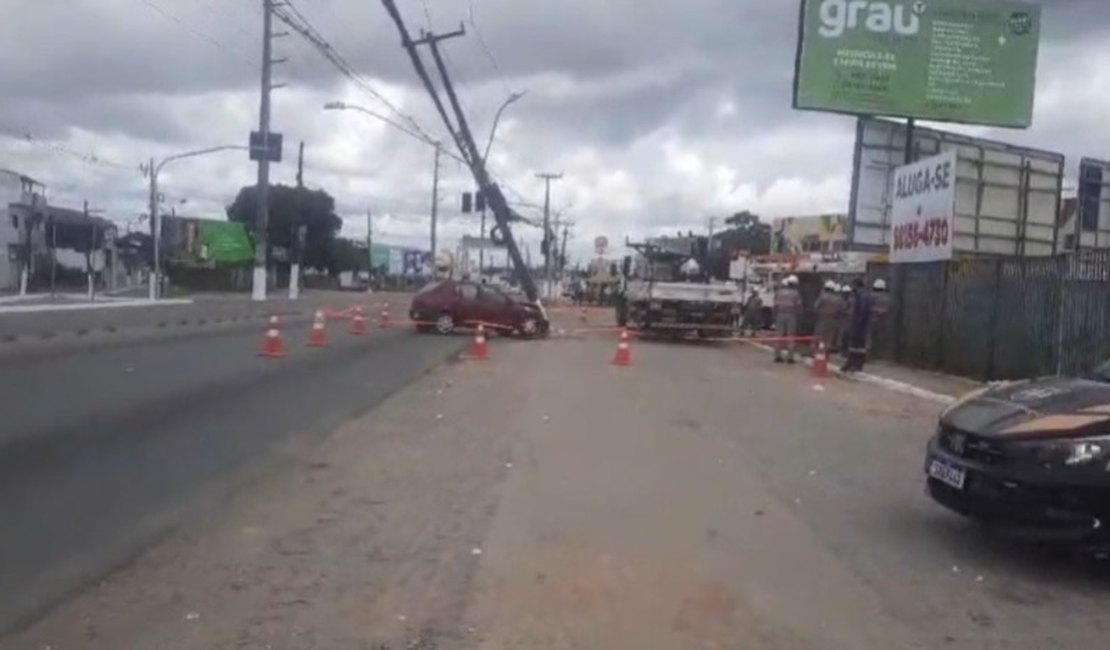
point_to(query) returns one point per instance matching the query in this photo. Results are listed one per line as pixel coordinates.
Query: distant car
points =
(444, 306)
(1031, 458)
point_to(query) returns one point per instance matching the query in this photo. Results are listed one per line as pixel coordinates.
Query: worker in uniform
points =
(828, 306)
(880, 308)
(859, 328)
(848, 298)
(840, 319)
(753, 314)
(788, 307)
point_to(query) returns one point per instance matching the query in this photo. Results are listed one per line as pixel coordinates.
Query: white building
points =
(15, 190)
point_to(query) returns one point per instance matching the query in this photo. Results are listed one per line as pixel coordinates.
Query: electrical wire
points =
(295, 20)
(215, 11)
(23, 135)
(199, 34)
(486, 48)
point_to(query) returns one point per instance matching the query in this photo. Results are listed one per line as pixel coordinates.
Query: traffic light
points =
(467, 201)
(479, 201)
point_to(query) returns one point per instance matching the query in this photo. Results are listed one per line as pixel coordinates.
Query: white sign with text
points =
(923, 210)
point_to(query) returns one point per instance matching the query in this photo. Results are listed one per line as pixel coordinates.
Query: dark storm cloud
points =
(651, 106)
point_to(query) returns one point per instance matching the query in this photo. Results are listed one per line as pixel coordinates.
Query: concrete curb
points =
(884, 382)
(107, 304)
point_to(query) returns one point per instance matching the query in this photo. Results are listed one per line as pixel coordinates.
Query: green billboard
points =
(227, 242)
(971, 61)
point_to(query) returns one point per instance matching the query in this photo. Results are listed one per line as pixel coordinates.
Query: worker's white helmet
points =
(845, 288)
(791, 281)
(831, 286)
(880, 285)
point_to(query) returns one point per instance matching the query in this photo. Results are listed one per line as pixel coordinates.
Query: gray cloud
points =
(660, 112)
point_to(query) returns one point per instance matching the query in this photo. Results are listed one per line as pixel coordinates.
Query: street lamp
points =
(513, 98)
(156, 219)
(340, 106)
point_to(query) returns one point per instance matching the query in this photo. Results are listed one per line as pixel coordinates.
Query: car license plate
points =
(948, 474)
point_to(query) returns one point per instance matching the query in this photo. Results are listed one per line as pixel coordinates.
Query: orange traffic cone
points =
(624, 352)
(358, 323)
(383, 321)
(480, 349)
(273, 347)
(820, 362)
(318, 338)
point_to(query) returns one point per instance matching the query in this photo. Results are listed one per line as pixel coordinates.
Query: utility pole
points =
(262, 222)
(548, 243)
(463, 138)
(563, 252)
(370, 242)
(297, 236)
(435, 205)
(709, 245)
(155, 234)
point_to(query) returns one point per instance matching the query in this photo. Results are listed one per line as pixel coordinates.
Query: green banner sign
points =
(227, 241)
(953, 60)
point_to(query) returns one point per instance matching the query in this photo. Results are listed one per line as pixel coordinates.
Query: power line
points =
(215, 11)
(23, 135)
(485, 48)
(199, 34)
(295, 20)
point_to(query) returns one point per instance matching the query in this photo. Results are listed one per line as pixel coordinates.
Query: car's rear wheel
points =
(445, 324)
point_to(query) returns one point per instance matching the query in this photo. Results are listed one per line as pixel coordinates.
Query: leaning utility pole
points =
(435, 206)
(547, 239)
(464, 140)
(262, 221)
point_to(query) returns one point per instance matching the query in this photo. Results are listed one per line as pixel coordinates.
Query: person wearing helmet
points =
(859, 328)
(880, 308)
(788, 307)
(829, 304)
(845, 320)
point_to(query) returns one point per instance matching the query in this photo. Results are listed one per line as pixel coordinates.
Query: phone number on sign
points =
(921, 234)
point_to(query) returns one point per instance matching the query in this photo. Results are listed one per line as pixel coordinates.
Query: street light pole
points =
(513, 97)
(156, 220)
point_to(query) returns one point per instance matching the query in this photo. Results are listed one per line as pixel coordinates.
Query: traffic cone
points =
(358, 323)
(820, 368)
(273, 347)
(383, 321)
(624, 352)
(480, 349)
(318, 338)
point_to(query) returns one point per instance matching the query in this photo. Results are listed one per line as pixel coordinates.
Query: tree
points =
(745, 233)
(291, 207)
(347, 255)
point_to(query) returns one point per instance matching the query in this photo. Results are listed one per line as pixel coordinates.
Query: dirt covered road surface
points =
(701, 498)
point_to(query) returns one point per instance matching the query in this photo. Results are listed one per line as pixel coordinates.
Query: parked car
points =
(1031, 458)
(448, 304)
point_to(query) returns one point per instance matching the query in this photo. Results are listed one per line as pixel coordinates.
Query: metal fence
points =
(998, 318)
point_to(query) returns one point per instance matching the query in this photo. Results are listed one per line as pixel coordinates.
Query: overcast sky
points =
(661, 113)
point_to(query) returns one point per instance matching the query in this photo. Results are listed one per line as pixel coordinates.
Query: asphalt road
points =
(103, 449)
(702, 498)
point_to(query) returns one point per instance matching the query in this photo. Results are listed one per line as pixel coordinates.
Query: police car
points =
(1031, 458)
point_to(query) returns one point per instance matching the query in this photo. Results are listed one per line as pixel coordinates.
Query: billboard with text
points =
(923, 213)
(950, 60)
